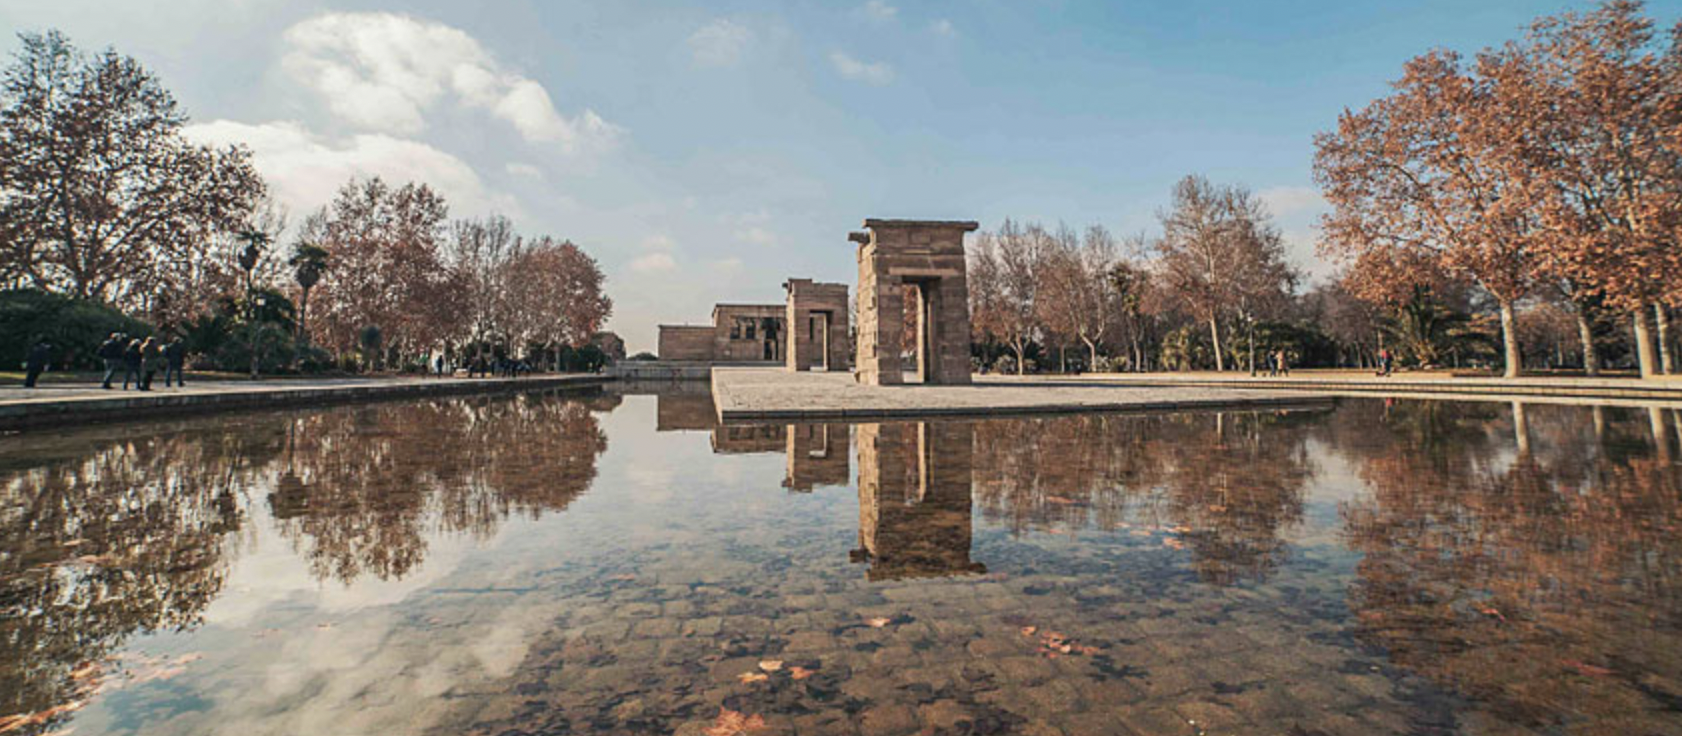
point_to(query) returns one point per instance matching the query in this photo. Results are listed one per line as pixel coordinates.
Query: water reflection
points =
(1545, 581)
(914, 499)
(1384, 567)
(134, 532)
(360, 493)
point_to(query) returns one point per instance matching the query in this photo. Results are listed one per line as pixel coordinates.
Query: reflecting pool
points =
(620, 564)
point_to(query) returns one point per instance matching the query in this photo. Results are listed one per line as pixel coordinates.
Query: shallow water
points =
(618, 564)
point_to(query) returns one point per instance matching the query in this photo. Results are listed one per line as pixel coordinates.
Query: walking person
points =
(440, 364)
(35, 361)
(1283, 362)
(111, 351)
(151, 355)
(131, 363)
(175, 358)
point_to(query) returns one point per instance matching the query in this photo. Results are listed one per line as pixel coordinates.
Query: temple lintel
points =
(874, 223)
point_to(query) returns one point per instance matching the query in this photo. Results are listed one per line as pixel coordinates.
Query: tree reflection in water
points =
(360, 494)
(1229, 483)
(1543, 578)
(134, 531)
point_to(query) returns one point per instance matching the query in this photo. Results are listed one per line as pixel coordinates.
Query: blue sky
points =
(706, 152)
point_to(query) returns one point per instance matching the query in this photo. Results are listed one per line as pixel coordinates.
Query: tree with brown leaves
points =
(1596, 147)
(1418, 175)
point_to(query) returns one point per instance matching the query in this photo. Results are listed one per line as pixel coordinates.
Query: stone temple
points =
(817, 326)
(928, 256)
(739, 333)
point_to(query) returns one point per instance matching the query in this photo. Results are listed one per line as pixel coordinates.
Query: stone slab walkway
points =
(56, 404)
(750, 394)
(1539, 389)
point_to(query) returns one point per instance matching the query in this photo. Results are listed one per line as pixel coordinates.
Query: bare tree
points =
(1221, 254)
(102, 192)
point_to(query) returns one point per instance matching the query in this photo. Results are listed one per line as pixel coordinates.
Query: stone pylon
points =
(927, 255)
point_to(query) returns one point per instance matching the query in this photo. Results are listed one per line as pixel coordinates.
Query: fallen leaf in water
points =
(1061, 501)
(622, 576)
(85, 671)
(324, 625)
(1492, 612)
(1029, 630)
(734, 723)
(1173, 543)
(771, 665)
(1585, 668)
(748, 678)
(799, 673)
(876, 623)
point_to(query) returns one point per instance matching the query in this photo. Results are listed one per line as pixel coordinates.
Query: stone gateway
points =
(928, 256)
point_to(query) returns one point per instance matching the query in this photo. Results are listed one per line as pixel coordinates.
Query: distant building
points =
(740, 333)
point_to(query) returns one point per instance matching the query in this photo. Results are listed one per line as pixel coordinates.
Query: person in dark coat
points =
(151, 355)
(36, 361)
(131, 363)
(111, 351)
(175, 357)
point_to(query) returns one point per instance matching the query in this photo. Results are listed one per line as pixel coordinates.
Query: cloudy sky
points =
(707, 152)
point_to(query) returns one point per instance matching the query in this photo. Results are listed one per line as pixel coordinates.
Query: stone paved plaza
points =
(762, 393)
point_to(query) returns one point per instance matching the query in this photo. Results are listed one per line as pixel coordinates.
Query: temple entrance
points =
(817, 326)
(918, 266)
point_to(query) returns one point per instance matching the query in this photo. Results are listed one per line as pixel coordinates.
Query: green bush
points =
(75, 327)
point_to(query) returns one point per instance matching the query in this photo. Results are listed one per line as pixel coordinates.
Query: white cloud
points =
(1288, 201)
(719, 43)
(305, 170)
(526, 170)
(943, 27)
(659, 242)
(871, 72)
(382, 72)
(653, 262)
(878, 10)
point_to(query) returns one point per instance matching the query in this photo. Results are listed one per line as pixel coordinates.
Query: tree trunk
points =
(1509, 341)
(1215, 335)
(1092, 356)
(1585, 333)
(1644, 343)
(1021, 351)
(1666, 363)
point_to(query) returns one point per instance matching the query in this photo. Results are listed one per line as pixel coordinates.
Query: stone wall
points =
(686, 342)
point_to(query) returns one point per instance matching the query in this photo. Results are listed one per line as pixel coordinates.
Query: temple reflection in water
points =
(914, 488)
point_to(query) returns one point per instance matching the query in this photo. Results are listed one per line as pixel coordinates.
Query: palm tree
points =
(309, 262)
(255, 240)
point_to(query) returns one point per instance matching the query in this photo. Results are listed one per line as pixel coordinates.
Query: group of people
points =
(1278, 364)
(498, 366)
(139, 360)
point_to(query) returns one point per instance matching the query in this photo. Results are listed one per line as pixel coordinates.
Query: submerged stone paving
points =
(758, 393)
